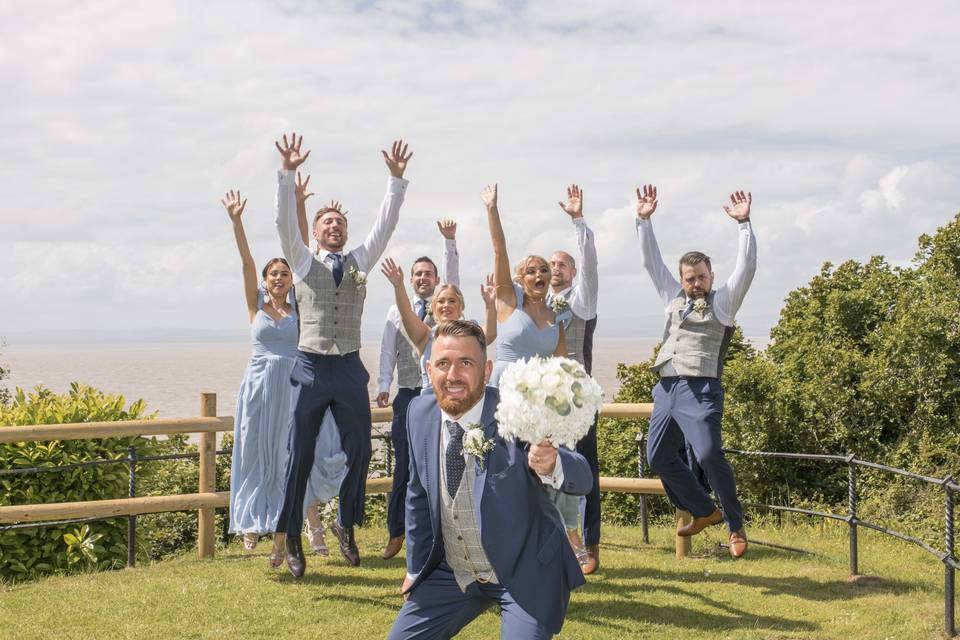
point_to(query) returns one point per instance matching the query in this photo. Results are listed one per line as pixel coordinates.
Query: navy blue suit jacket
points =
(520, 529)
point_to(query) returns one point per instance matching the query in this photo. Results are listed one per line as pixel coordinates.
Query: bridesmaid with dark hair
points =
(264, 414)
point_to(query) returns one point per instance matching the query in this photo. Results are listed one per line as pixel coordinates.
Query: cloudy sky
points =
(122, 123)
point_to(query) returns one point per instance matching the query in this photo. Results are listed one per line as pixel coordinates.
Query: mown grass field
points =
(642, 591)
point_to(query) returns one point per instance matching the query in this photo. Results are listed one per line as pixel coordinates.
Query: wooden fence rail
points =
(208, 499)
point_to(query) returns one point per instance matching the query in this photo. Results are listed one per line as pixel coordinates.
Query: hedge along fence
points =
(207, 499)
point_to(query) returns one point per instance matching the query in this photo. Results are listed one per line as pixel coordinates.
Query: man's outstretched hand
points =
(646, 201)
(574, 204)
(397, 158)
(542, 458)
(290, 152)
(741, 206)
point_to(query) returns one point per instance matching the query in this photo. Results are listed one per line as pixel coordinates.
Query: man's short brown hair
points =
(693, 258)
(325, 210)
(462, 329)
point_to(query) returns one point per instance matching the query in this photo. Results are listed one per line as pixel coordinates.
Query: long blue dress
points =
(520, 337)
(261, 432)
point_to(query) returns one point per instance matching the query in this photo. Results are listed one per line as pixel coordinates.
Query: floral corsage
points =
(476, 444)
(559, 304)
(359, 277)
(700, 306)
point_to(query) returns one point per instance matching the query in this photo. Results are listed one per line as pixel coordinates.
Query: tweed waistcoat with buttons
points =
(330, 315)
(461, 536)
(695, 345)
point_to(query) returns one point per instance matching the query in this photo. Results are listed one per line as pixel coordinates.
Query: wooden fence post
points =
(684, 544)
(206, 529)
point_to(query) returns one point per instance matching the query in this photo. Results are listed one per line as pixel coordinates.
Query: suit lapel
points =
(490, 432)
(431, 445)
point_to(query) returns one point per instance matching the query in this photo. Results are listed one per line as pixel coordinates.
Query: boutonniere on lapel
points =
(700, 306)
(559, 304)
(476, 444)
(359, 277)
(428, 308)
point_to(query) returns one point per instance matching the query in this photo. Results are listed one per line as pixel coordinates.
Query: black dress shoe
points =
(295, 560)
(348, 546)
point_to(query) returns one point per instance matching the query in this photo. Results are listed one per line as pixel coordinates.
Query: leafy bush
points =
(4, 373)
(28, 552)
(865, 359)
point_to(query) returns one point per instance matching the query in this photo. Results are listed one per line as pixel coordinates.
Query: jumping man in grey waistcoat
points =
(577, 285)
(396, 352)
(330, 288)
(688, 400)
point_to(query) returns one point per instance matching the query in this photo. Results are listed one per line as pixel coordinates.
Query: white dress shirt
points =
(298, 254)
(727, 298)
(449, 274)
(582, 293)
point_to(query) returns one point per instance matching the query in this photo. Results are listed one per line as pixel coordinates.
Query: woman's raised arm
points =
(234, 205)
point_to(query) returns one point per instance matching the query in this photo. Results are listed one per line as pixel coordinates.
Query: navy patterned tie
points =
(454, 464)
(337, 261)
(687, 310)
(421, 308)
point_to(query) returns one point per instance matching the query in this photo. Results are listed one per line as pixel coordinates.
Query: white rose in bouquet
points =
(547, 399)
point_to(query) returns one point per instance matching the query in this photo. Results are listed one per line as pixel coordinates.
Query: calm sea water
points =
(170, 377)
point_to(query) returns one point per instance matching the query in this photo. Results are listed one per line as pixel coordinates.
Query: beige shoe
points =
(275, 559)
(250, 541)
(318, 541)
(573, 535)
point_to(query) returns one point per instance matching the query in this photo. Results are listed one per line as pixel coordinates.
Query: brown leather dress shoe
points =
(738, 543)
(393, 547)
(348, 545)
(701, 523)
(593, 559)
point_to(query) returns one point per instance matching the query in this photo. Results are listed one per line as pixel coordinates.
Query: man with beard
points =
(688, 400)
(330, 289)
(481, 530)
(577, 289)
(396, 351)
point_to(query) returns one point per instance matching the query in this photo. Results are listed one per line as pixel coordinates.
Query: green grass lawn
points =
(642, 591)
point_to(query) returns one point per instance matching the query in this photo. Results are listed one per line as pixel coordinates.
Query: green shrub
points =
(26, 553)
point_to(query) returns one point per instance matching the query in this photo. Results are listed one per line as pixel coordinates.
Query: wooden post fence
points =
(207, 499)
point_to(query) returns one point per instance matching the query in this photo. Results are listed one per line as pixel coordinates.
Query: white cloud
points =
(124, 123)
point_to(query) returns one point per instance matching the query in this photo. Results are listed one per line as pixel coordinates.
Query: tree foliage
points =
(865, 359)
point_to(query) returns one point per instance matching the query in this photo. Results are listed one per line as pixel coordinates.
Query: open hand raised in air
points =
(302, 193)
(448, 229)
(393, 273)
(646, 201)
(233, 204)
(290, 152)
(574, 204)
(397, 158)
(741, 206)
(489, 195)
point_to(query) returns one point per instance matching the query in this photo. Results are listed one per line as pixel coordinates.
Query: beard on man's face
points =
(456, 406)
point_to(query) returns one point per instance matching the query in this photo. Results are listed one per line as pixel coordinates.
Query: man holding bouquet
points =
(688, 400)
(480, 529)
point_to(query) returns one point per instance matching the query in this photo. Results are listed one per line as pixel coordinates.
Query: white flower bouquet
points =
(547, 399)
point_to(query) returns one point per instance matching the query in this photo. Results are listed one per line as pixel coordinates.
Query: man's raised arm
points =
(667, 286)
(586, 284)
(375, 243)
(288, 227)
(450, 273)
(730, 296)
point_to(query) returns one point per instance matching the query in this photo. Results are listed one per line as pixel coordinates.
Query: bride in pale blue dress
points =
(264, 412)
(528, 327)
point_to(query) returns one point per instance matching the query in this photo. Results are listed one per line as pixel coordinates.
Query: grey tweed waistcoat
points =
(574, 333)
(461, 535)
(695, 345)
(409, 373)
(330, 315)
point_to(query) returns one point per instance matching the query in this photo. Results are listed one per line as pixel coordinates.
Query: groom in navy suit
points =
(480, 528)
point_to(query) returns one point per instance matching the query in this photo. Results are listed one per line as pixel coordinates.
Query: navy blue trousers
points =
(587, 447)
(437, 609)
(340, 384)
(401, 462)
(691, 409)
